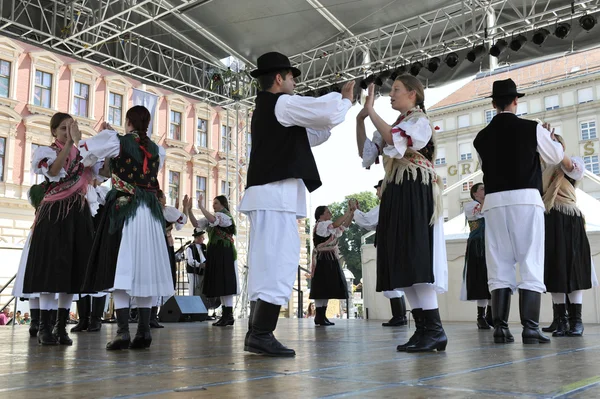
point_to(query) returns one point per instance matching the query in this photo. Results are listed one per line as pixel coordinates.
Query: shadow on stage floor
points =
(354, 358)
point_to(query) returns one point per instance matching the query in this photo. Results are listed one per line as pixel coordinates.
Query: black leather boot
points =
(121, 340)
(420, 329)
(554, 324)
(133, 315)
(398, 313)
(500, 312)
(482, 323)
(320, 316)
(433, 337)
(575, 320)
(34, 324)
(226, 317)
(327, 322)
(45, 336)
(488, 316)
(154, 318)
(143, 338)
(252, 306)
(53, 315)
(96, 315)
(83, 308)
(562, 323)
(262, 340)
(529, 307)
(60, 329)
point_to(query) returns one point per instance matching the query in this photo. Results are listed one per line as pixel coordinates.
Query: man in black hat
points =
(369, 221)
(509, 150)
(282, 167)
(196, 259)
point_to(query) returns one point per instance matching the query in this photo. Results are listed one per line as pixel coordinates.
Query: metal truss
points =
(456, 26)
(106, 33)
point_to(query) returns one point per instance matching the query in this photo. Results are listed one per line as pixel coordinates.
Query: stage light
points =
(476, 52)
(587, 22)
(539, 37)
(401, 70)
(562, 30)
(518, 42)
(498, 48)
(367, 81)
(415, 68)
(381, 78)
(433, 64)
(452, 59)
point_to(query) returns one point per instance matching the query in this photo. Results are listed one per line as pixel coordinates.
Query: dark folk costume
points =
(475, 280)
(129, 255)
(568, 267)
(328, 281)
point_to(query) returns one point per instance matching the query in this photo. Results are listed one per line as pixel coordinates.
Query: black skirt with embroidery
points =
(404, 236)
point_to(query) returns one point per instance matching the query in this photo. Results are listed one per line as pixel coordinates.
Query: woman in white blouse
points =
(411, 252)
(220, 273)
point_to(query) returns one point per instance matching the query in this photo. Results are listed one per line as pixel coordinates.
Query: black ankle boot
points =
(320, 316)
(143, 338)
(60, 329)
(226, 317)
(482, 323)
(420, 329)
(45, 336)
(262, 340)
(252, 306)
(154, 318)
(96, 316)
(327, 322)
(433, 337)
(83, 308)
(529, 307)
(488, 316)
(398, 313)
(34, 324)
(552, 327)
(562, 323)
(500, 312)
(121, 340)
(575, 320)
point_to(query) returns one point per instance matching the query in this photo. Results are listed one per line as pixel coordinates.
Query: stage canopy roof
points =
(180, 44)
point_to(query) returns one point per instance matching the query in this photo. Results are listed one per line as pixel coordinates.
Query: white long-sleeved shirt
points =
(318, 116)
(551, 152)
(367, 220)
(190, 258)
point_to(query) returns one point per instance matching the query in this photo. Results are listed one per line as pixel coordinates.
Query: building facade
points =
(563, 91)
(207, 148)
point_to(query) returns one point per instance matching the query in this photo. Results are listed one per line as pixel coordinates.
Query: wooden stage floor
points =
(353, 359)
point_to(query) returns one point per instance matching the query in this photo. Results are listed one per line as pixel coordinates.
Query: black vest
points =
(509, 157)
(278, 152)
(129, 165)
(196, 254)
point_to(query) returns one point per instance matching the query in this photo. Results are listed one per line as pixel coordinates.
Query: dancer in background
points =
(63, 230)
(568, 268)
(282, 167)
(220, 273)
(514, 210)
(328, 281)
(129, 256)
(368, 221)
(196, 261)
(411, 252)
(475, 279)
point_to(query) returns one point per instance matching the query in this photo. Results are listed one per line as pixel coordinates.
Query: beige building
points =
(564, 91)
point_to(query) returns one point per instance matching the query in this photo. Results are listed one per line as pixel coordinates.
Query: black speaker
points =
(183, 308)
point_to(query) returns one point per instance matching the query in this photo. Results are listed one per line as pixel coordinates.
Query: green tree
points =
(349, 243)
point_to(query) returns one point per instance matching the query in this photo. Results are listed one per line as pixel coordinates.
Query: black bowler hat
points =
(197, 232)
(505, 88)
(379, 184)
(273, 61)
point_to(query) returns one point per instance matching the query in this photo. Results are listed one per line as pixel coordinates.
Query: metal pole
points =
(300, 294)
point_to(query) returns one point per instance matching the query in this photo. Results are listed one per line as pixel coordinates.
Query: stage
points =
(354, 358)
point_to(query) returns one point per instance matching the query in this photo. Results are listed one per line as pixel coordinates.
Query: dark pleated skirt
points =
(220, 273)
(102, 264)
(568, 264)
(328, 281)
(60, 247)
(475, 266)
(404, 236)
